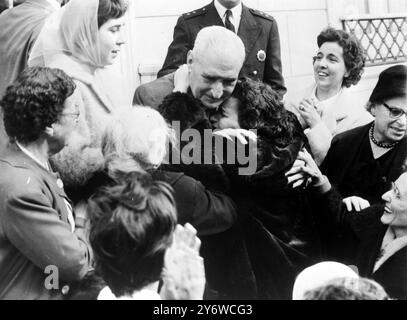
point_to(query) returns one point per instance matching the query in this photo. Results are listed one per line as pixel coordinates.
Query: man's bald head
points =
(214, 65)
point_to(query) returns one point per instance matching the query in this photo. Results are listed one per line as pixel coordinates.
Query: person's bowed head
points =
(137, 242)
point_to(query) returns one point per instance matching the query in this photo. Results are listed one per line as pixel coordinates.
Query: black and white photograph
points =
(223, 152)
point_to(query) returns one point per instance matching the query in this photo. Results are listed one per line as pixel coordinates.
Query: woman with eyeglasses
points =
(374, 239)
(327, 107)
(38, 227)
(362, 162)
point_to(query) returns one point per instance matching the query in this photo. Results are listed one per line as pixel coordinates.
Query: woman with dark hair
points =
(327, 107)
(132, 231)
(38, 229)
(274, 216)
(255, 106)
(82, 38)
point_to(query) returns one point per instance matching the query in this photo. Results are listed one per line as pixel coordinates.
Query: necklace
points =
(380, 144)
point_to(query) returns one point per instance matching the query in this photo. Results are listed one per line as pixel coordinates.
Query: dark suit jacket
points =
(364, 235)
(34, 230)
(257, 30)
(153, 93)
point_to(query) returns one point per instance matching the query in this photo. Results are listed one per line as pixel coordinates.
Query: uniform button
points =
(193, 11)
(65, 290)
(203, 9)
(255, 72)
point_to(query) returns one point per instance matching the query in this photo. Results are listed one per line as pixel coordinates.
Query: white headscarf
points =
(70, 41)
(72, 31)
(80, 31)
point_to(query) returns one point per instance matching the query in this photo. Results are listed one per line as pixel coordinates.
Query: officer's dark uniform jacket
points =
(257, 30)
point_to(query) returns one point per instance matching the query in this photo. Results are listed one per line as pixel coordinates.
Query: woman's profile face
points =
(63, 129)
(111, 39)
(390, 120)
(329, 66)
(395, 210)
(228, 115)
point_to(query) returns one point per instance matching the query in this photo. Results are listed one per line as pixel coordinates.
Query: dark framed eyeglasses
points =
(394, 112)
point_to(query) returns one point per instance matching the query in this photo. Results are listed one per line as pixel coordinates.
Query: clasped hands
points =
(309, 113)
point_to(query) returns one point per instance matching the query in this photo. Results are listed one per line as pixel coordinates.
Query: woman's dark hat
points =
(392, 83)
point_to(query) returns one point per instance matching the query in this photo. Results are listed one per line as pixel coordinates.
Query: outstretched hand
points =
(184, 272)
(304, 169)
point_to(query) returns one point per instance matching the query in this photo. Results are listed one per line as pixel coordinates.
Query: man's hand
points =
(355, 203)
(181, 79)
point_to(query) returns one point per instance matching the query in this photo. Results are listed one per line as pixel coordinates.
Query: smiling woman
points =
(326, 108)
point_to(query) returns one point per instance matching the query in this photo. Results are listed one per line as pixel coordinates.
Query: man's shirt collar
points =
(236, 13)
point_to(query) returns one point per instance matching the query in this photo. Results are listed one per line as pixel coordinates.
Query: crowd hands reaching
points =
(110, 196)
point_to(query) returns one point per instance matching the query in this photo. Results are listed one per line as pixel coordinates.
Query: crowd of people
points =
(215, 183)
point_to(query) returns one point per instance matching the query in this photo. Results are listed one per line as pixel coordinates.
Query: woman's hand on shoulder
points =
(239, 134)
(355, 203)
(181, 79)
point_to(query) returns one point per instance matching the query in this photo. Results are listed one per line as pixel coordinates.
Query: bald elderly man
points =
(210, 75)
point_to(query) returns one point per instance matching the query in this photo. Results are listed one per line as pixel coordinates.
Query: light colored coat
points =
(83, 152)
(344, 114)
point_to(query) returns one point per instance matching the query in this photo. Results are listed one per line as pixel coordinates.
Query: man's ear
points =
(373, 110)
(49, 130)
(190, 59)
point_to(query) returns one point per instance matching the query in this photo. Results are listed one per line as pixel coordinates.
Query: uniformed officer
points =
(257, 30)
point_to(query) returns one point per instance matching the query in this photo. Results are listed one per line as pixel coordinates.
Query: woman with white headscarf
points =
(82, 39)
